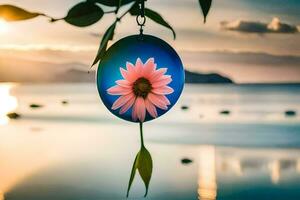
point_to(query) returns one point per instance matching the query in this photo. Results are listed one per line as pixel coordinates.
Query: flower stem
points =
(141, 134)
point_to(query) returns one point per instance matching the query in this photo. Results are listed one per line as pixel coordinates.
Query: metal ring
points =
(140, 23)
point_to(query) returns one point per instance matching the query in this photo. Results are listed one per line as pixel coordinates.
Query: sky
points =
(249, 41)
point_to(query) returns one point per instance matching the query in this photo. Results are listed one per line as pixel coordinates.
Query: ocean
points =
(242, 141)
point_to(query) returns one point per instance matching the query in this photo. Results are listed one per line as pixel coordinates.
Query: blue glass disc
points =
(152, 79)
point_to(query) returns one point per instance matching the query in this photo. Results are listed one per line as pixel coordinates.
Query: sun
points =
(3, 26)
(7, 103)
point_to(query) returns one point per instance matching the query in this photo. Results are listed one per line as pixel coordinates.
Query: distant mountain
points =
(24, 70)
(28, 70)
(193, 77)
(78, 75)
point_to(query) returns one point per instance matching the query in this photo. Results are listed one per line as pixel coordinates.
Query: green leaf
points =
(134, 10)
(153, 15)
(111, 3)
(108, 35)
(13, 13)
(142, 163)
(158, 19)
(145, 167)
(119, 5)
(205, 6)
(133, 170)
(84, 14)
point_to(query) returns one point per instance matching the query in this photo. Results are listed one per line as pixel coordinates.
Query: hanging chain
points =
(140, 18)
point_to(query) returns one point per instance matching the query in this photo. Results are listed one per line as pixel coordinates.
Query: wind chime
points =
(139, 79)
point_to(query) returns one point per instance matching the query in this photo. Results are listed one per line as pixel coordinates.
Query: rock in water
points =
(184, 107)
(64, 102)
(13, 115)
(186, 161)
(35, 105)
(290, 113)
(224, 112)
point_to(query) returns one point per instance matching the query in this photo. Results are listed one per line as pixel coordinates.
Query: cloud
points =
(245, 67)
(67, 65)
(275, 26)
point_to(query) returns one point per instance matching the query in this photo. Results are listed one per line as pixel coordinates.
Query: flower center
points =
(141, 87)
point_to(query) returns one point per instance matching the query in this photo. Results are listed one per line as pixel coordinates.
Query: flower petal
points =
(141, 108)
(118, 90)
(163, 81)
(127, 105)
(139, 68)
(165, 99)
(156, 75)
(130, 67)
(134, 111)
(130, 77)
(124, 83)
(157, 101)
(122, 100)
(163, 90)
(124, 73)
(149, 67)
(150, 108)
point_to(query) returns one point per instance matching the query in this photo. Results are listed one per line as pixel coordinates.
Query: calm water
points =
(79, 151)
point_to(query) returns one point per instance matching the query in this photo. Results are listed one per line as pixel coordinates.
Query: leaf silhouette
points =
(111, 3)
(119, 5)
(13, 13)
(143, 163)
(145, 167)
(153, 15)
(133, 170)
(205, 6)
(134, 10)
(108, 35)
(84, 14)
(156, 17)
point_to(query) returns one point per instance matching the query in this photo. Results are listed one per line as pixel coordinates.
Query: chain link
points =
(141, 19)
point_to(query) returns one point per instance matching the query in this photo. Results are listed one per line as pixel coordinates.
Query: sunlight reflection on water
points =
(80, 151)
(207, 186)
(7, 102)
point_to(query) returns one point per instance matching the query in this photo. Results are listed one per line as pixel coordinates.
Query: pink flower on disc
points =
(144, 89)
